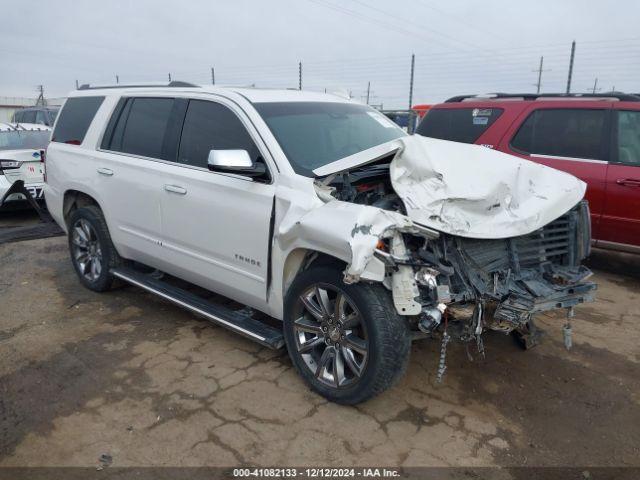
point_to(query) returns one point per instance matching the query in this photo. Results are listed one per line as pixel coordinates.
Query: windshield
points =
(24, 139)
(314, 134)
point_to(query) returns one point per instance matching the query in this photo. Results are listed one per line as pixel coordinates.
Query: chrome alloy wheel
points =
(86, 250)
(331, 336)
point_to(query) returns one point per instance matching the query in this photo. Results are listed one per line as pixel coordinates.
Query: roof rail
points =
(173, 84)
(626, 97)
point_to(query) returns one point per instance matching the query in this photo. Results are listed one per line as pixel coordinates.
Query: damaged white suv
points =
(316, 211)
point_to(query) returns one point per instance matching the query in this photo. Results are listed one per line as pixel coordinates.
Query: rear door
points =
(621, 215)
(572, 139)
(128, 174)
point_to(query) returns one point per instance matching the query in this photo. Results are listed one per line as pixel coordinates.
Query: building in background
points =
(8, 105)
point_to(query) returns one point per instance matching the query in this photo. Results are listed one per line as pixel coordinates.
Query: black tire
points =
(109, 258)
(386, 335)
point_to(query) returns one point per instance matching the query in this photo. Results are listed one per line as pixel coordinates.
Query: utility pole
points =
(540, 70)
(40, 100)
(410, 120)
(169, 77)
(573, 54)
(117, 78)
(595, 86)
(368, 91)
(299, 75)
(213, 76)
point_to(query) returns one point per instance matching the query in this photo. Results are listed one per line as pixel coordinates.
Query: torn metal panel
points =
(475, 192)
(344, 230)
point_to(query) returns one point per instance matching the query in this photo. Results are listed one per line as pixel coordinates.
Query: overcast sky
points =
(460, 46)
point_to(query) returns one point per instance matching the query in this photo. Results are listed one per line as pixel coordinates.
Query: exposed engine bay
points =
(457, 287)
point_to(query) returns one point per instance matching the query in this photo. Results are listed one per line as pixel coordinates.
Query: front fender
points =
(342, 230)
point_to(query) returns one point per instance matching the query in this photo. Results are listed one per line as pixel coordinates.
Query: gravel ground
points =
(129, 375)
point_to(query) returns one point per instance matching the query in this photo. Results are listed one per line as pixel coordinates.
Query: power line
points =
(405, 21)
(460, 21)
(367, 19)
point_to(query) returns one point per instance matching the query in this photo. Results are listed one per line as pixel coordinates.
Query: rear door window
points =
(463, 125)
(208, 126)
(574, 133)
(75, 118)
(141, 127)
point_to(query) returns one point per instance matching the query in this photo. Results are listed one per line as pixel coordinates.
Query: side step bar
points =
(236, 321)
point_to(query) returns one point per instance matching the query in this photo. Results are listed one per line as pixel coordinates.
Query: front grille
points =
(555, 243)
(552, 243)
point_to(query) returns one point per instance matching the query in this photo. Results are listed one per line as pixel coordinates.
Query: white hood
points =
(476, 192)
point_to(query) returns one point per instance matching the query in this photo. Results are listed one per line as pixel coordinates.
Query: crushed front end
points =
(471, 239)
(467, 286)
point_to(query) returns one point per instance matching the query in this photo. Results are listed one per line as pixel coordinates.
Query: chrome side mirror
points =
(235, 161)
(223, 160)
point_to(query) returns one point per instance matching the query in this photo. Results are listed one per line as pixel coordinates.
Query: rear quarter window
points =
(75, 118)
(463, 125)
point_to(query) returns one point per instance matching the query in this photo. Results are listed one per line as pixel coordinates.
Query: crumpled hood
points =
(473, 191)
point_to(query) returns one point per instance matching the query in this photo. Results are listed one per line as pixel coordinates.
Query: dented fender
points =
(343, 230)
(346, 231)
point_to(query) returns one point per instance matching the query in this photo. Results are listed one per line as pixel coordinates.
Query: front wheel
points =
(347, 341)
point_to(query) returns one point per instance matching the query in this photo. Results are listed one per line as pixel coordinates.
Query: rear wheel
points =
(92, 252)
(346, 341)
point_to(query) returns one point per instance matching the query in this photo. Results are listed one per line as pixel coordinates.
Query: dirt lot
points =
(129, 375)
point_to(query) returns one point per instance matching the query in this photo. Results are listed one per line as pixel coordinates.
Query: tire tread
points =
(374, 301)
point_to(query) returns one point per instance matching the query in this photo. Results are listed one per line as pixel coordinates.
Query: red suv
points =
(594, 137)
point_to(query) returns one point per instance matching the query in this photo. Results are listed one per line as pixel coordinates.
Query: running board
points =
(234, 320)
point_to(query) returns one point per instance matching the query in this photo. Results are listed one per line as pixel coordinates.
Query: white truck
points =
(341, 236)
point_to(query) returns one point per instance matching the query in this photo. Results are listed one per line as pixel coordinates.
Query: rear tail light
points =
(8, 165)
(43, 160)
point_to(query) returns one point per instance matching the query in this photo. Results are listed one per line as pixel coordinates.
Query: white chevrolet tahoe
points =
(341, 237)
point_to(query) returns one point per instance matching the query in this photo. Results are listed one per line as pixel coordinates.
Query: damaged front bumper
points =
(519, 306)
(496, 284)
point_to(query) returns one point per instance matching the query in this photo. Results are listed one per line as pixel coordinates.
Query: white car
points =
(318, 212)
(21, 145)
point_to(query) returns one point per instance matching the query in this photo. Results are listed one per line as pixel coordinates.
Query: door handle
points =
(105, 171)
(175, 189)
(628, 182)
